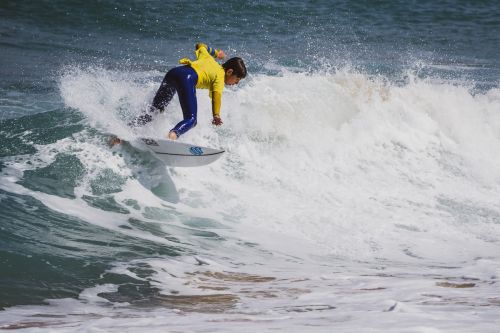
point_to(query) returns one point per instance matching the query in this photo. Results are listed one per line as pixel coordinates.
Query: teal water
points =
(49, 251)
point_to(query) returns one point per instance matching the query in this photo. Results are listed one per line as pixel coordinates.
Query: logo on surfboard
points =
(196, 150)
(150, 142)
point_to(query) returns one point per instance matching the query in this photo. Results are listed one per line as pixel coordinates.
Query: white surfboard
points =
(174, 153)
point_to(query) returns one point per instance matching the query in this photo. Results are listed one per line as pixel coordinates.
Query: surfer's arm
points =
(219, 54)
(216, 102)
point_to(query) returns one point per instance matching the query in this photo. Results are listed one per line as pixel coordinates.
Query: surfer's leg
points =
(187, 98)
(167, 90)
(163, 96)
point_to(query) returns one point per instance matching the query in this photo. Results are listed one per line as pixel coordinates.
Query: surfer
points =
(202, 73)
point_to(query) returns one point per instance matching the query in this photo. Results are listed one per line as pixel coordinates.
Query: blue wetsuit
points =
(182, 80)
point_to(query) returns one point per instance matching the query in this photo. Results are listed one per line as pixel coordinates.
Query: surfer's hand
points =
(217, 121)
(221, 54)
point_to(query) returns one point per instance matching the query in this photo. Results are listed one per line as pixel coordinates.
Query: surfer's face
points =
(230, 78)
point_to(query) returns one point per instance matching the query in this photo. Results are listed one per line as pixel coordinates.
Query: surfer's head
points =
(235, 71)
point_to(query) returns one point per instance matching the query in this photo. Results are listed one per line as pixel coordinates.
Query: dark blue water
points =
(48, 254)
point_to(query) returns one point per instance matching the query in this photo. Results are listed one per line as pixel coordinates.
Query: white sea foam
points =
(364, 204)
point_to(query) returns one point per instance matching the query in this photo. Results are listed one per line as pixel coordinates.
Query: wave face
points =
(359, 186)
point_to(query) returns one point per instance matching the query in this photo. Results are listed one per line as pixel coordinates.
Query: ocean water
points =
(359, 192)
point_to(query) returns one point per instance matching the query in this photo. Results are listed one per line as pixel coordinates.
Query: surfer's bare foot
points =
(115, 141)
(172, 135)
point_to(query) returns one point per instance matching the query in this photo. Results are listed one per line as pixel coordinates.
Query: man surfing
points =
(202, 73)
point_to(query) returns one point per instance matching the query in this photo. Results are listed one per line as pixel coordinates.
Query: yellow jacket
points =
(210, 74)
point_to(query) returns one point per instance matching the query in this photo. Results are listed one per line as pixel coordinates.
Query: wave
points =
(333, 158)
(345, 164)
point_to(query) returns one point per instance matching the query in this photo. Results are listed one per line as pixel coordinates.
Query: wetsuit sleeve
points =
(213, 52)
(215, 92)
(216, 102)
